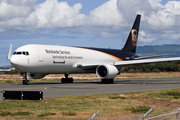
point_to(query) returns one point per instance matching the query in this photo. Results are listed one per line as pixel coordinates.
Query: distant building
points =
(7, 69)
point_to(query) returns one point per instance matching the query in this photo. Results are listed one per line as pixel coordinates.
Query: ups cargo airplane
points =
(37, 61)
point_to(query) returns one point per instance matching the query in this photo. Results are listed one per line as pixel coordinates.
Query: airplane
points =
(36, 61)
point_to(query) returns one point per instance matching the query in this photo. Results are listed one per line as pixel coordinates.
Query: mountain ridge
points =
(158, 49)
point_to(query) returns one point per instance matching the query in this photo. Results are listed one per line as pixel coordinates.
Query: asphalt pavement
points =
(90, 87)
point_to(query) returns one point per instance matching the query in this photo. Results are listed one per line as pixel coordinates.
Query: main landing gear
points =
(25, 82)
(66, 79)
(107, 81)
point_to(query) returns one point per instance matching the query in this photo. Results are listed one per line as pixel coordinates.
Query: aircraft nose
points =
(17, 63)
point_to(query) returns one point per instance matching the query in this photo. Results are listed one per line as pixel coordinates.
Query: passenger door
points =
(40, 56)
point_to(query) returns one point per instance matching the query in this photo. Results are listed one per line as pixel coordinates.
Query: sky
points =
(87, 23)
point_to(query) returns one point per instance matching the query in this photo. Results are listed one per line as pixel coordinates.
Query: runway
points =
(90, 87)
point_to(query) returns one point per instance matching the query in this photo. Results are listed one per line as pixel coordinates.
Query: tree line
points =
(155, 67)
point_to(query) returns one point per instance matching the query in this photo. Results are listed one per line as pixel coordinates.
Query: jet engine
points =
(35, 76)
(107, 71)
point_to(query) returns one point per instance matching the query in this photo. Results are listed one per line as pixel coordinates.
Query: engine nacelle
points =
(35, 76)
(107, 71)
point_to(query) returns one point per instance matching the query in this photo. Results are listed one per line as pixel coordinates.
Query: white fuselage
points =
(51, 59)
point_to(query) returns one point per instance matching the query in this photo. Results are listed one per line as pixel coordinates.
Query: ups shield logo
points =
(134, 37)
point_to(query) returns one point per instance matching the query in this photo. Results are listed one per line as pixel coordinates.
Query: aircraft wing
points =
(144, 61)
(129, 62)
(145, 57)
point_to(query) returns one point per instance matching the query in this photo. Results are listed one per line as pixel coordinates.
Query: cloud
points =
(106, 15)
(52, 14)
(113, 19)
(157, 19)
(145, 37)
(10, 9)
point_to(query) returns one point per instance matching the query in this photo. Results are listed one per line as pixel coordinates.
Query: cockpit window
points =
(18, 53)
(21, 53)
(27, 53)
(14, 53)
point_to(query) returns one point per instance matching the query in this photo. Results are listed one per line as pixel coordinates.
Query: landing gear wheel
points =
(107, 81)
(63, 80)
(25, 82)
(70, 80)
(66, 79)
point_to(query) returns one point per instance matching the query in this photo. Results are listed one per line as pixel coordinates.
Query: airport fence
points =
(169, 116)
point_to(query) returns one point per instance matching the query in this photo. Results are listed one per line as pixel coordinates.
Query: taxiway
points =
(90, 87)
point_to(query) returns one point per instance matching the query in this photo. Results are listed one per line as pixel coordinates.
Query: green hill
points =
(160, 49)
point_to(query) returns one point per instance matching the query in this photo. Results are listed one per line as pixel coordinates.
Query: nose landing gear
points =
(66, 79)
(25, 82)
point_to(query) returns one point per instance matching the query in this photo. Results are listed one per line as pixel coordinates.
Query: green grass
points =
(116, 97)
(111, 106)
(5, 113)
(138, 109)
(69, 113)
(8, 113)
(46, 114)
(175, 94)
(83, 107)
(165, 95)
